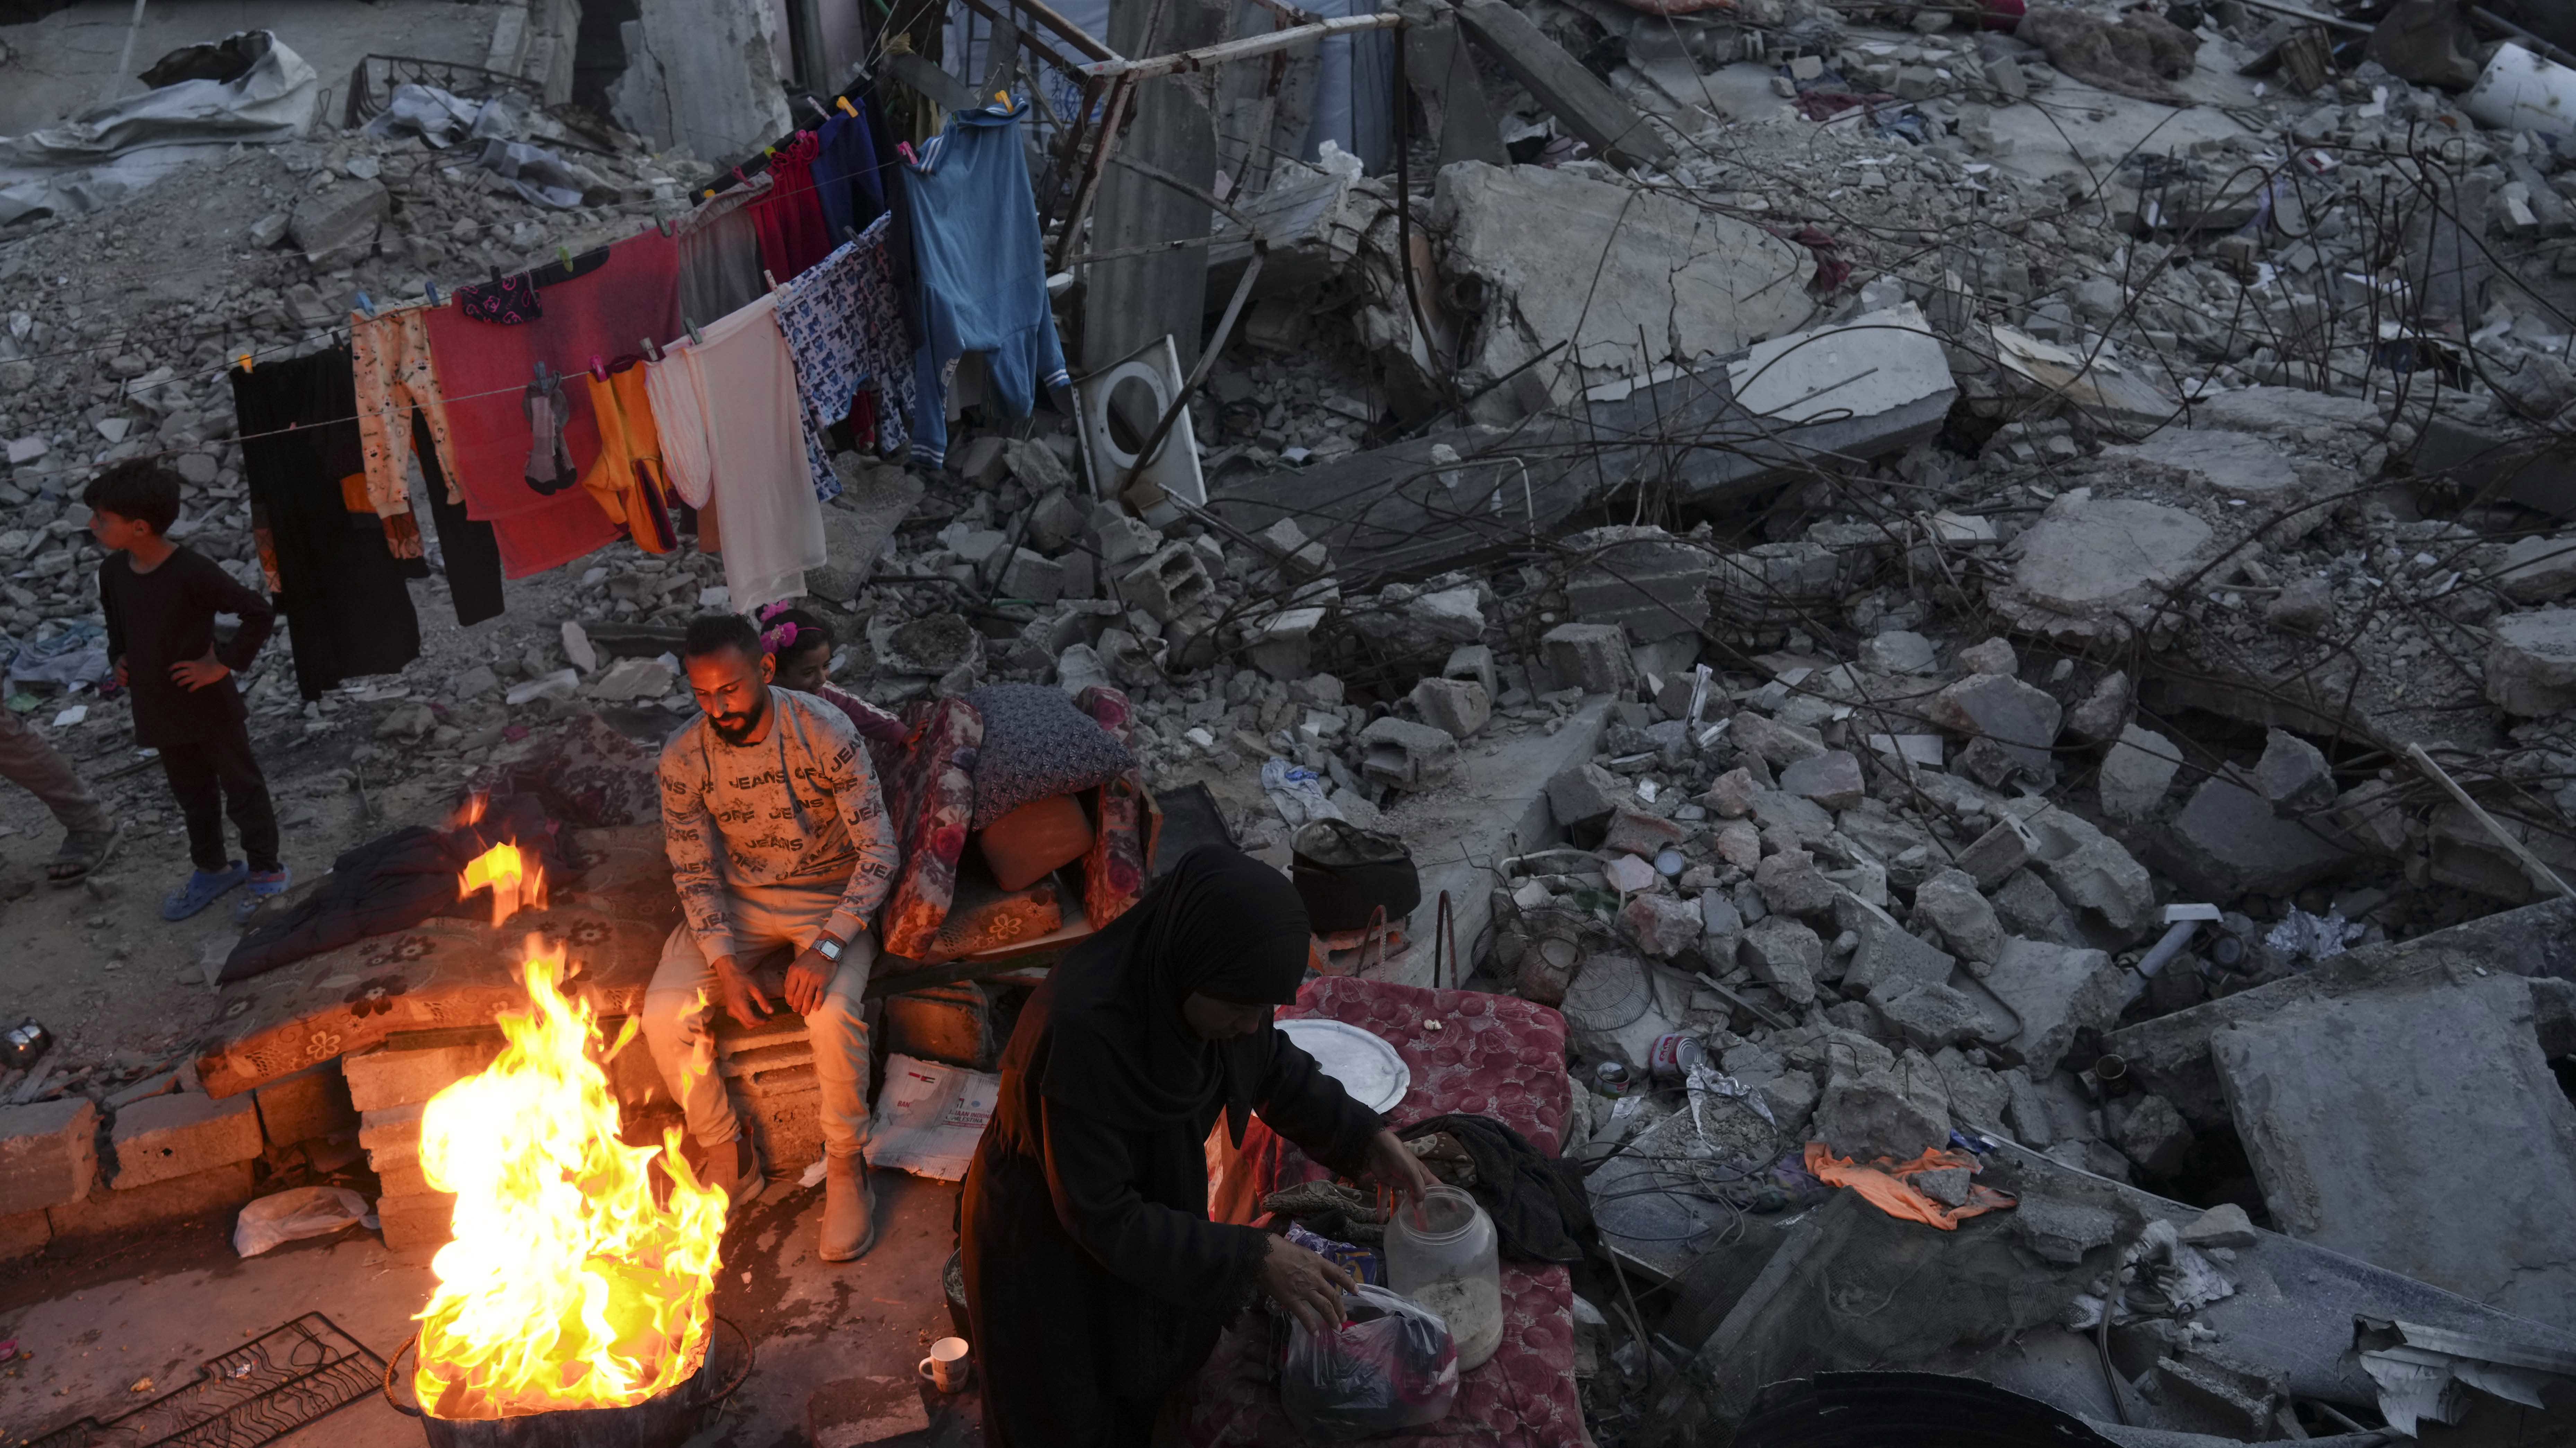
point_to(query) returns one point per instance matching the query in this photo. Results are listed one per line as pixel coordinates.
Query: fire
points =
(564, 1284)
(515, 881)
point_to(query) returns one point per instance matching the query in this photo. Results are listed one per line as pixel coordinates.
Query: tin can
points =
(1674, 1054)
(1610, 1078)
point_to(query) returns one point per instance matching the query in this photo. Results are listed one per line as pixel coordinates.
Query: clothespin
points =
(651, 352)
(496, 278)
(1002, 98)
(433, 292)
(563, 254)
(541, 378)
(665, 224)
(846, 108)
(366, 306)
(906, 148)
(693, 331)
(598, 369)
(710, 194)
(244, 359)
(772, 280)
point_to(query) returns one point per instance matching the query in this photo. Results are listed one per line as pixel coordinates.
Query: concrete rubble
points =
(1811, 550)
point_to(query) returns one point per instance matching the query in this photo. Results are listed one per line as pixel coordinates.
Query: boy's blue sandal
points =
(262, 887)
(204, 888)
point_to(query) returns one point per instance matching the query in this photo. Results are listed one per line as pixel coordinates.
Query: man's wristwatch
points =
(828, 948)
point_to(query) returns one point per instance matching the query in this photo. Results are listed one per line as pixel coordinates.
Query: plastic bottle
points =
(1440, 1253)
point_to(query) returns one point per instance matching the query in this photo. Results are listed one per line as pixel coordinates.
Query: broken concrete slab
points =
(1593, 657)
(2137, 774)
(2536, 570)
(2419, 1129)
(2055, 990)
(1784, 955)
(2013, 717)
(2170, 1054)
(1951, 903)
(2093, 570)
(2241, 466)
(2531, 665)
(1572, 93)
(1684, 285)
(2228, 841)
(1641, 578)
(2088, 869)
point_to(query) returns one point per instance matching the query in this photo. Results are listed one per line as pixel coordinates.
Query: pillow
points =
(1036, 744)
(1033, 841)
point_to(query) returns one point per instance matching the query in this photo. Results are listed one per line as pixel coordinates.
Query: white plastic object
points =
(298, 1212)
(1440, 1253)
(2520, 91)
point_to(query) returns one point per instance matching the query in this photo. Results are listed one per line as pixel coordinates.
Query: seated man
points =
(777, 836)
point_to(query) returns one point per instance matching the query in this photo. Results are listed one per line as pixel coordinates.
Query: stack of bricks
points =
(171, 1154)
(389, 1086)
(769, 1069)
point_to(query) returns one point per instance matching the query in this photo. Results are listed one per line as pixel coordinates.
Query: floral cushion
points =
(1121, 859)
(929, 784)
(1496, 1056)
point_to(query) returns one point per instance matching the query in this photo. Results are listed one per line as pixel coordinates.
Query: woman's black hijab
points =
(1221, 923)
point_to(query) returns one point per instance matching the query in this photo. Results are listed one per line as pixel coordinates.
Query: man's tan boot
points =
(849, 1209)
(733, 1168)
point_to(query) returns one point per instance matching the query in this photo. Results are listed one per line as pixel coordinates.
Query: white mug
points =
(946, 1365)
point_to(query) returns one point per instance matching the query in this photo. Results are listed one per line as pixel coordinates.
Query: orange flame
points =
(515, 882)
(564, 1285)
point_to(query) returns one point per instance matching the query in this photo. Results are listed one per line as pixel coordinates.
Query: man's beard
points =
(737, 730)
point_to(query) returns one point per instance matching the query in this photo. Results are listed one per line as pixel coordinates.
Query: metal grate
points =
(257, 1393)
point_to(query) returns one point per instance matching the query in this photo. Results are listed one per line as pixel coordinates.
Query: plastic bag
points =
(296, 1213)
(1390, 1365)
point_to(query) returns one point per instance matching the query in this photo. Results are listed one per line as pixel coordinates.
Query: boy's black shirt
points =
(167, 616)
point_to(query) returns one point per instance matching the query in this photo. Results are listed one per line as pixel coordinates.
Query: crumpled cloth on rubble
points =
(2140, 57)
(71, 656)
(1885, 1183)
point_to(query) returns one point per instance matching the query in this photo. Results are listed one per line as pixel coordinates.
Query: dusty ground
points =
(97, 964)
(158, 1309)
(62, 64)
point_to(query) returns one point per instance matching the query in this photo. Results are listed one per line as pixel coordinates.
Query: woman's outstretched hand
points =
(1392, 1165)
(1307, 1285)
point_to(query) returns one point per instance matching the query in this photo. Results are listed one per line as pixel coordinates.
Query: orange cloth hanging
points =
(626, 477)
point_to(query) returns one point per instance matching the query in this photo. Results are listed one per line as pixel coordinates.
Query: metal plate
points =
(1365, 1064)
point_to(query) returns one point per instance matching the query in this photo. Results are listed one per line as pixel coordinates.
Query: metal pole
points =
(125, 57)
(1245, 48)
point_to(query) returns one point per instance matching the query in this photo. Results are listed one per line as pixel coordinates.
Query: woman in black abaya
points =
(1095, 1281)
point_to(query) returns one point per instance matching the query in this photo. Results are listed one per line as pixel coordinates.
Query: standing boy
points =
(161, 601)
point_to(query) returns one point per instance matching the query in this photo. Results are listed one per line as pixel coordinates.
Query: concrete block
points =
(1641, 578)
(1032, 576)
(161, 1137)
(1636, 833)
(390, 1131)
(385, 1078)
(1407, 755)
(2137, 773)
(48, 1154)
(1457, 707)
(1281, 644)
(1894, 959)
(1792, 885)
(2536, 570)
(1784, 955)
(1584, 793)
(1896, 1112)
(1172, 582)
(2293, 774)
(1773, 742)
(1991, 858)
(427, 1219)
(1951, 904)
(108, 1213)
(1928, 1014)
(24, 1234)
(981, 462)
(1831, 779)
(2055, 990)
(2018, 718)
(337, 226)
(1593, 657)
(312, 1103)
(950, 1023)
(1475, 663)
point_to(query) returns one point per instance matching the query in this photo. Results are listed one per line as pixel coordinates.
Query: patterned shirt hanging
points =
(844, 325)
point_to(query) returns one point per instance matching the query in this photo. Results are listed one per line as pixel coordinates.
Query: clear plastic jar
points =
(1440, 1253)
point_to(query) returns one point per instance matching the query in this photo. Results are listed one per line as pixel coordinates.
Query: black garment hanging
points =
(339, 585)
(466, 546)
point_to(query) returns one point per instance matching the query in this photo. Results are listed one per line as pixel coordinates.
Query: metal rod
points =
(1207, 359)
(1245, 48)
(1098, 166)
(2541, 874)
(2295, 12)
(125, 57)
